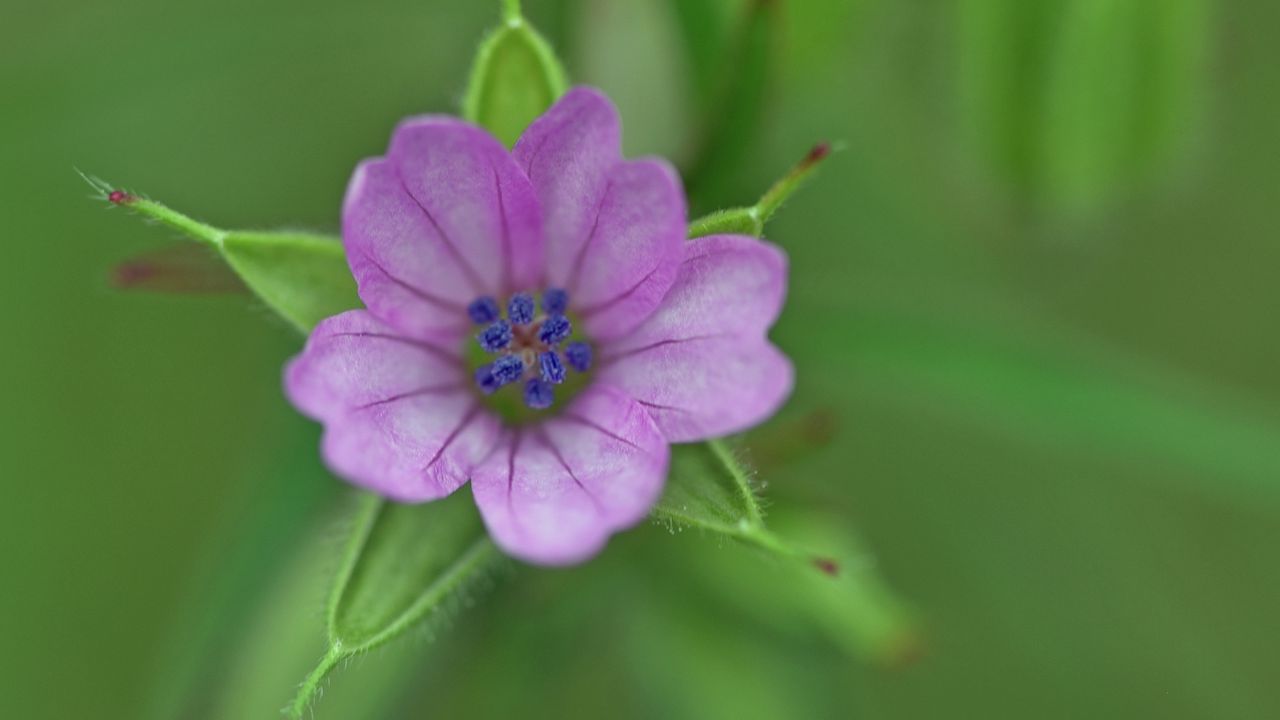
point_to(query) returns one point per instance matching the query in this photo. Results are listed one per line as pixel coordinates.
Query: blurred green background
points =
(1035, 290)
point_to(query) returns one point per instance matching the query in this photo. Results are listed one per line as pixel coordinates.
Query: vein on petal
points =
(574, 417)
(506, 234)
(546, 440)
(575, 274)
(610, 359)
(607, 304)
(413, 289)
(466, 420)
(477, 284)
(430, 390)
(425, 346)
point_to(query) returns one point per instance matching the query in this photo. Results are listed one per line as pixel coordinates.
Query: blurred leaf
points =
(516, 77)
(632, 50)
(785, 440)
(303, 277)
(703, 29)
(852, 607)
(709, 489)
(1075, 101)
(403, 565)
(253, 552)
(1061, 392)
(733, 109)
(177, 269)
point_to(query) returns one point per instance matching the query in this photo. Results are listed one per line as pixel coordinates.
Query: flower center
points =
(532, 347)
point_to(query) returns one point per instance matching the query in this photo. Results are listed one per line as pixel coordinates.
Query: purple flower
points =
(668, 336)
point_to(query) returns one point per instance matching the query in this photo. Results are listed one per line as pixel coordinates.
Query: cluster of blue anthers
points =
(527, 345)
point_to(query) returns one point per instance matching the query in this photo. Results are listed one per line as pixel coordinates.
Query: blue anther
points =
(520, 309)
(551, 367)
(579, 355)
(483, 310)
(538, 394)
(485, 379)
(554, 329)
(555, 301)
(495, 337)
(507, 369)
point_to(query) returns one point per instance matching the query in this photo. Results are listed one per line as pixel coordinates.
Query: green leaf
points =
(751, 220)
(514, 79)
(301, 276)
(403, 565)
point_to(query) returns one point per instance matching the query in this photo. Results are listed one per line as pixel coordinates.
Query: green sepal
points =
(836, 593)
(751, 220)
(708, 488)
(514, 79)
(734, 221)
(404, 566)
(849, 604)
(303, 277)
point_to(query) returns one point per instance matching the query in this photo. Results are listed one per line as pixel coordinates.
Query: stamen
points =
(485, 379)
(555, 301)
(483, 310)
(525, 345)
(579, 355)
(507, 369)
(552, 368)
(554, 329)
(520, 309)
(495, 337)
(538, 394)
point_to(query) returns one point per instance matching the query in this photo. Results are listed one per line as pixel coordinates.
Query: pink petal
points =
(702, 363)
(553, 493)
(614, 230)
(446, 217)
(399, 418)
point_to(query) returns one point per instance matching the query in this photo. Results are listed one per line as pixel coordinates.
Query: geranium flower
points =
(536, 323)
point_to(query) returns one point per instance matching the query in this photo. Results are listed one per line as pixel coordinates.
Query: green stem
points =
(307, 691)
